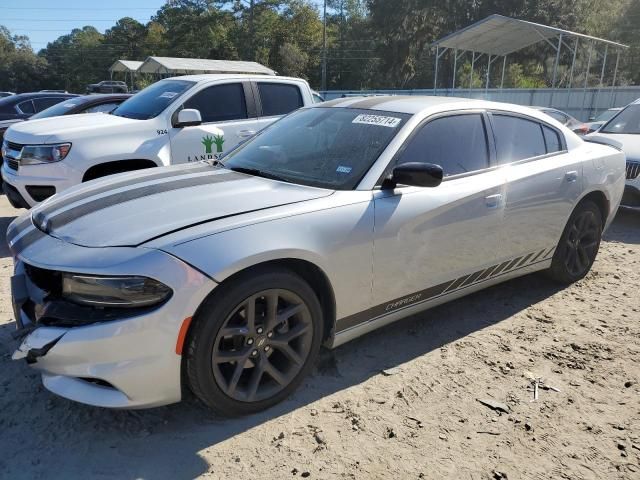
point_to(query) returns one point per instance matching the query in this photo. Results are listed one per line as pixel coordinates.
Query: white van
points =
(176, 120)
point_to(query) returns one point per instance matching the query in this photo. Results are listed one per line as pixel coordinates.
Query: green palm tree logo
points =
(208, 143)
(219, 141)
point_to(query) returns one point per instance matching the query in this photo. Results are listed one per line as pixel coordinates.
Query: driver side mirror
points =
(188, 117)
(414, 174)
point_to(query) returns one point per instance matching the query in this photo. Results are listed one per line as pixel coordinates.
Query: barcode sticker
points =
(379, 120)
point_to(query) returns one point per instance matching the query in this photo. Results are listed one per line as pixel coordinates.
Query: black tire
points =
(579, 244)
(223, 341)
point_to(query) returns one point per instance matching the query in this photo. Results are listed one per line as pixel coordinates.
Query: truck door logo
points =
(209, 141)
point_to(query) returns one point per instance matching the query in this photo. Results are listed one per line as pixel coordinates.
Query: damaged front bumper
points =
(127, 361)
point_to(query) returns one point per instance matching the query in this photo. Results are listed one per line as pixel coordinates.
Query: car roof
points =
(224, 76)
(30, 96)
(100, 97)
(413, 104)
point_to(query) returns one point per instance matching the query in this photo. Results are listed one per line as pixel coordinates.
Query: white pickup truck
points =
(176, 120)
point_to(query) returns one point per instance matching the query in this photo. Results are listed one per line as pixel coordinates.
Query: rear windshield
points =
(152, 101)
(627, 121)
(59, 108)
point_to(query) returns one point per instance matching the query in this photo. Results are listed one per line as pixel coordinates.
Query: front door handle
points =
(571, 176)
(493, 201)
(246, 133)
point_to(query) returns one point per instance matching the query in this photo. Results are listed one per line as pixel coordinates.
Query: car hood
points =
(133, 208)
(64, 128)
(630, 143)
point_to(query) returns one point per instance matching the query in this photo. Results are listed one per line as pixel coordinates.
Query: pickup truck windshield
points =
(627, 121)
(321, 147)
(152, 101)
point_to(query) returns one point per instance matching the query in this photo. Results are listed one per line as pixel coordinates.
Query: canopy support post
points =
(615, 77)
(504, 66)
(435, 76)
(601, 84)
(573, 62)
(455, 67)
(473, 61)
(586, 79)
(555, 65)
(486, 87)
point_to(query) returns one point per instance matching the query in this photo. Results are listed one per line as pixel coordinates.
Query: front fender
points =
(338, 240)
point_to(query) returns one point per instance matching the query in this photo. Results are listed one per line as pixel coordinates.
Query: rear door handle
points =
(493, 201)
(246, 133)
(571, 176)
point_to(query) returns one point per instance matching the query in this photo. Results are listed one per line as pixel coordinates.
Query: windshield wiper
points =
(259, 173)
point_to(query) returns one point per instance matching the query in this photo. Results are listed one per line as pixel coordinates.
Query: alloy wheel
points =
(582, 243)
(262, 345)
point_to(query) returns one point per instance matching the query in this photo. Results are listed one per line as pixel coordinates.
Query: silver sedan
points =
(228, 277)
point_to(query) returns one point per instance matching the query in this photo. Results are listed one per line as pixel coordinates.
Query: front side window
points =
(103, 107)
(44, 103)
(279, 98)
(60, 108)
(517, 138)
(153, 100)
(321, 147)
(220, 103)
(627, 121)
(457, 143)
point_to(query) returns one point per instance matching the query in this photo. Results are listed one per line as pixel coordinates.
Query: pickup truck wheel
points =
(253, 341)
(578, 245)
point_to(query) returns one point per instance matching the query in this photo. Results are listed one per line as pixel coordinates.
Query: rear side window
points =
(279, 98)
(457, 143)
(220, 103)
(103, 107)
(26, 107)
(557, 115)
(517, 138)
(552, 139)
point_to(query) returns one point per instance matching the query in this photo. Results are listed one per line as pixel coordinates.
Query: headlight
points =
(124, 292)
(36, 154)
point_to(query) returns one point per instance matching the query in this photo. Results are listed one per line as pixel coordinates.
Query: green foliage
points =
(370, 43)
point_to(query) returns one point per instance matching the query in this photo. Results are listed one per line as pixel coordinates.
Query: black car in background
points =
(108, 86)
(70, 105)
(23, 105)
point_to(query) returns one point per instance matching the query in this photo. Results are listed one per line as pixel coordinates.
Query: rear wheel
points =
(254, 341)
(578, 245)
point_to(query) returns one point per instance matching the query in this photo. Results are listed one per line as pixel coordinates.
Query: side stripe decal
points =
(438, 290)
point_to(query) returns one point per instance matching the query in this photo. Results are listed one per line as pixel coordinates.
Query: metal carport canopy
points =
(185, 66)
(125, 66)
(499, 35)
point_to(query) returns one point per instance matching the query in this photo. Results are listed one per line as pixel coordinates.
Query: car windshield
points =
(151, 101)
(606, 115)
(59, 108)
(627, 121)
(321, 147)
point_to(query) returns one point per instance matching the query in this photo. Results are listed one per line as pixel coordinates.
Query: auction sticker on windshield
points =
(379, 120)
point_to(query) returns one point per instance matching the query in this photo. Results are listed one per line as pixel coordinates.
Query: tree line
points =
(369, 43)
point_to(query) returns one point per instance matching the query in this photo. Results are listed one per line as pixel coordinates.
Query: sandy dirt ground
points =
(402, 403)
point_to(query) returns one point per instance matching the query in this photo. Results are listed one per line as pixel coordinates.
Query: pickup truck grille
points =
(633, 170)
(14, 146)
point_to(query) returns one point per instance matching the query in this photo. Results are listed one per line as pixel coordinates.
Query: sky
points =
(45, 20)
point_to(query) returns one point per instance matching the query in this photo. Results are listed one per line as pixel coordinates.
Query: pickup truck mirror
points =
(188, 117)
(415, 174)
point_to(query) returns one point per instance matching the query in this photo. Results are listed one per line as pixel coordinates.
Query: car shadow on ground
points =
(69, 439)
(4, 248)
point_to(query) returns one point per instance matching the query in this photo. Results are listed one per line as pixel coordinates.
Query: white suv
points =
(176, 120)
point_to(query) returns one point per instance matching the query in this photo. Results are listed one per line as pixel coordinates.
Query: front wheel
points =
(253, 341)
(578, 245)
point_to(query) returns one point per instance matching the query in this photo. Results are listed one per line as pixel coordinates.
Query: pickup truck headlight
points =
(122, 292)
(37, 154)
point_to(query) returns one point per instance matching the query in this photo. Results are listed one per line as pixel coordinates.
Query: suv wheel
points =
(253, 341)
